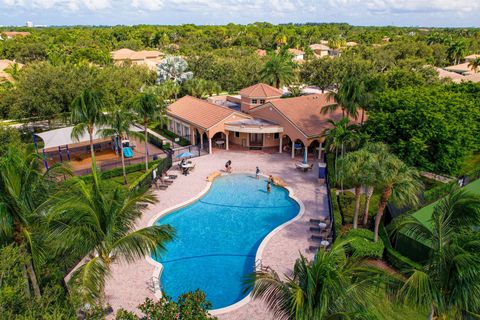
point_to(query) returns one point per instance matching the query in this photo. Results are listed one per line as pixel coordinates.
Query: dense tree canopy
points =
(432, 128)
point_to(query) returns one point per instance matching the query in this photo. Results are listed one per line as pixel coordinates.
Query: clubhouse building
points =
(257, 119)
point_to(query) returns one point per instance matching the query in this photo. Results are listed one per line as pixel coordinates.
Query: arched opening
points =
(286, 143)
(313, 148)
(298, 148)
(219, 140)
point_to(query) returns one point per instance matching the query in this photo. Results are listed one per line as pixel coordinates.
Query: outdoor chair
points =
(172, 176)
(313, 248)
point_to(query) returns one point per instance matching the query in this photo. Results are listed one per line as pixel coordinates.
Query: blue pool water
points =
(218, 237)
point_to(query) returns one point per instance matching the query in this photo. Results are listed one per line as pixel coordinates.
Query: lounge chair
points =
(317, 238)
(313, 248)
(172, 176)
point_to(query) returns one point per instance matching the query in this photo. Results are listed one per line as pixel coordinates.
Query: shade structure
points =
(63, 136)
(185, 155)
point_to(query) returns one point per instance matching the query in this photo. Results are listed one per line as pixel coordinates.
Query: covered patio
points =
(59, 146)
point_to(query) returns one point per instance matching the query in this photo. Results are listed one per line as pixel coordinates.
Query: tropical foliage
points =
(447, 284)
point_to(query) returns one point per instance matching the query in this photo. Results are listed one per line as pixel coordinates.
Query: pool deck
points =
(128, 285)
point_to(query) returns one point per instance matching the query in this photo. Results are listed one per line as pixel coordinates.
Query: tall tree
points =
(88, 218)
(87, 113)
(352, 171)
(119, 125)
(398, 183)
(448, 282)
(328, 287)
(149, 107)
(23, 190)
(278, 70)
(173, 68)
(456, 51)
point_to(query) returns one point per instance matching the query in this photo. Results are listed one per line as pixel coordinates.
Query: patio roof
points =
(63, 136)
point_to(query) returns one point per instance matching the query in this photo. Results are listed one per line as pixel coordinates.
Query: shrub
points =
(399, 261)
(171, 135)
(438, 192)
(361, 244)
(337, 217)
(190, 306)
(347, 206)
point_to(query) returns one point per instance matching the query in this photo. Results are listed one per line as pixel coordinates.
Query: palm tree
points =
(23, 189)
(350, 97)
(88, 218)
(329, 287)
(352, 172)
(87, 113)
(398, 183)
(448, 283)
(278, 70)
(339, 137)
(474, 64)
(375, 152)
(173, 68)
(119, 123)
(457, 50)
(149, 107)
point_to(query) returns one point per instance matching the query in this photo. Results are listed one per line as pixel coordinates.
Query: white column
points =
(226, 139)
(320, 151)
(293, 149)
(209, 145)
(280, 147)
(305, 153)
(201, 140)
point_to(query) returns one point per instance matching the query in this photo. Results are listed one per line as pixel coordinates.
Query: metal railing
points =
(196, 151)
(330, 204)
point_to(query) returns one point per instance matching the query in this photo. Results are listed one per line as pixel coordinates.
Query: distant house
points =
(5, 64)
(148, 58)
(297, 54)
(13, 34)
(444, 74)
(351, 44)
(462, 68)
(320, 50)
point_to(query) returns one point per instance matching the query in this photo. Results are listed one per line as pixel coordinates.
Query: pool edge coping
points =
(258, 256)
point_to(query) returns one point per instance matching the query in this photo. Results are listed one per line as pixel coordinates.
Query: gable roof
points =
(128, 54)
(305, 112)
(200, 112)
(261, 90)
(15, 33)
(319, 46)
(442, 74)
(462, 68)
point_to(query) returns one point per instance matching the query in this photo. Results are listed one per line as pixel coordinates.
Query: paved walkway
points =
(127, 287)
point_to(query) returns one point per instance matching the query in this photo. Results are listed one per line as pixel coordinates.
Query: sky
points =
(426, 13)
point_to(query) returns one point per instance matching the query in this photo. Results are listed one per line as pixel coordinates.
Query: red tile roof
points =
(15, 33)
(199, 112)
(261, 90)
(305, 112)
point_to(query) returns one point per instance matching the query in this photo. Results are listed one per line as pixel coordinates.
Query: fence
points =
(147, 178)
(196, 151)
(105, 166)
(330, 205)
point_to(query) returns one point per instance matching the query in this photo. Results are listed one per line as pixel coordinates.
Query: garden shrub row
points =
(337, 217)
(171, 135)
(361, 244)
(115, 172)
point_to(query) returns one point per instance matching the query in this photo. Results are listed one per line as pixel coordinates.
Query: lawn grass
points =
(114, 182)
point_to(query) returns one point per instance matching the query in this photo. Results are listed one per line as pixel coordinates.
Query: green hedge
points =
(361, 244)
(331, 169)
(108, 174)
(337, 217)
(399, 261)
(171, 135)
(146, 178)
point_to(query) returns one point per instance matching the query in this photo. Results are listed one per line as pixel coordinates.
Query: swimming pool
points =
(218, 236)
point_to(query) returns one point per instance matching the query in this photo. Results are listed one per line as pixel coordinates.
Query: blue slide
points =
(127, 152)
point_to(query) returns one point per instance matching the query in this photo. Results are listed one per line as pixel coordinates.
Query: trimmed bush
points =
(399, 261)
(337, 217)
(361, 244)
(171, 135)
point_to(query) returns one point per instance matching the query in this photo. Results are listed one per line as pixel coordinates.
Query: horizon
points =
(375, 13)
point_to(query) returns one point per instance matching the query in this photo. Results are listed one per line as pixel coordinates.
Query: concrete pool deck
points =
(129, 284)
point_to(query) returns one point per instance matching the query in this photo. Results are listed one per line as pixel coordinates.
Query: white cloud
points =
(153, 5)
(409, 6)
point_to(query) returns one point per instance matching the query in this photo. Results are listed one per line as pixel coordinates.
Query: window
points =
(237, 134)
(179, 129)
(254, 101)
(170, 125)
(276, 136)
(262, 101)
(186, 132)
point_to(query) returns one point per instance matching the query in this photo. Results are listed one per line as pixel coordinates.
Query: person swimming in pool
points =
(268, 186)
